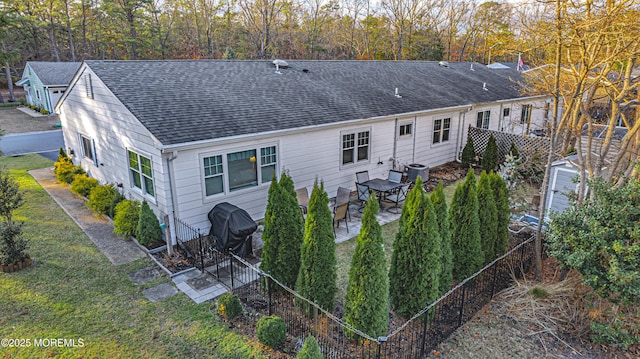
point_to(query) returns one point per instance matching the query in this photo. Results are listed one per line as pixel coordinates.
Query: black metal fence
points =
(262, 294)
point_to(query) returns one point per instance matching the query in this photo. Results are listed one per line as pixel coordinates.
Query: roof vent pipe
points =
(472, 67)
(278, 69)
(397, 95)
(484, 86)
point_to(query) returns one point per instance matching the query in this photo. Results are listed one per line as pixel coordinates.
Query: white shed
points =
(563, 183)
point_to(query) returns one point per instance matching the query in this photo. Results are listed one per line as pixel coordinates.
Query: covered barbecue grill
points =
(231, 228)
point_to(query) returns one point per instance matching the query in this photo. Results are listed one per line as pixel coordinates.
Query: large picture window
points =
(483, 119)
(355, 147)
(141, 172)
(237, 170)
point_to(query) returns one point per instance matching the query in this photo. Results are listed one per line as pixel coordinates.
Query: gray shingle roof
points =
(183, 101)
(54, 73)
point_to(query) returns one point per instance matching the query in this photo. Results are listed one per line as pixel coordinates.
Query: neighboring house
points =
(563, 184)
(186, 135)
(45, 82)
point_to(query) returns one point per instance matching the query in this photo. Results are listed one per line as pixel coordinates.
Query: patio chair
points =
(342, 197)
(394, 176)
(399, 196)
(303, 199)
(363, 194)
(340, 214)
(362, 176)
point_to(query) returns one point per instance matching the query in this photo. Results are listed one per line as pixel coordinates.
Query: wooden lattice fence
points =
(526, 145)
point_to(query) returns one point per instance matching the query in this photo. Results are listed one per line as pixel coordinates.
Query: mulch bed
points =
(447, 173)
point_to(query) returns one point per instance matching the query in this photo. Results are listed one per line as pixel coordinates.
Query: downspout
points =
(500, 116)
(415, 134)
(48, 99)
(170, 217)
(462, 116)
(395, 143)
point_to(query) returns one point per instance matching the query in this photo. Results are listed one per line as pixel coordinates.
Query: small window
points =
(406, 129)
(505, 112)
(483, 119)
(441, 129)
(267, 163)
(355, 147)
(242, 169)
(141, 172)
(525, 115)
(88, 86)
(213, 172)
(38, 94)
(88, 149)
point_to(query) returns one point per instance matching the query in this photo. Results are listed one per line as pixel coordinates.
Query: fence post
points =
(424, 331)
(493, 283)
(381, 341)
(201, 251)
(269, 292)
(464, 289)
(231, 269)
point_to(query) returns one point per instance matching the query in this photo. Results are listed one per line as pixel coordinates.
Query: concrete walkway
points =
(99, 230)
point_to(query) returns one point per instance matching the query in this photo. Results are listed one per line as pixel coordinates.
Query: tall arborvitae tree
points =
(465, 229)
(367, 299)
(292, 232)
(468, 157)
(317, 275)
(488, 217)
(490, 156)
(440, 206)
(283, 232)
(501, 194)
(414, 275)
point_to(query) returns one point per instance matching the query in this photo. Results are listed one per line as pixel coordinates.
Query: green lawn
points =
(72, 291)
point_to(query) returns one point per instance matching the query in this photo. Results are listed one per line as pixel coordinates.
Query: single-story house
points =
(186, 135)
(45, 82)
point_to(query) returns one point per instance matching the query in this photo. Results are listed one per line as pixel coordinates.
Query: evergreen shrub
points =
(310, 349)
(101, 198)
(272, 331)
(126, 218)
(468, 153)
(148, 229)
(229, 305)
(490, 156)
(82, 184)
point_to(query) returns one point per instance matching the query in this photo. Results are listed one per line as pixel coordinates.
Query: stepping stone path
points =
(160, 292)
(143, 275)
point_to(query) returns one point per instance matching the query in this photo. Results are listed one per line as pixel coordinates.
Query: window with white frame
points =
(38, 94)
(88, 149)
(213, 175)
(355, 147)
(506, 111)
(441, 129)
(141, 173)
(267, 163)
(483, 119)
(243, 169)
(405, 129)
(525, 114)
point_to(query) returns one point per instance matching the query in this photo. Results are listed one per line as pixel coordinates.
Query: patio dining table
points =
(381, 186)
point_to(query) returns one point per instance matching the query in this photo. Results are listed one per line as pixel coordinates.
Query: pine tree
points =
(317, 275)
(468, 153)
(283, 232)
(416, 260)
(465, 229)
(490, 157)
(367, 298)
(440, 207)
(148, 229)
(310, 349)
(501, 194)
(488, 217)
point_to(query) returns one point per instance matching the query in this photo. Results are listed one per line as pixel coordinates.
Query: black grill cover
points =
(232, 228)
